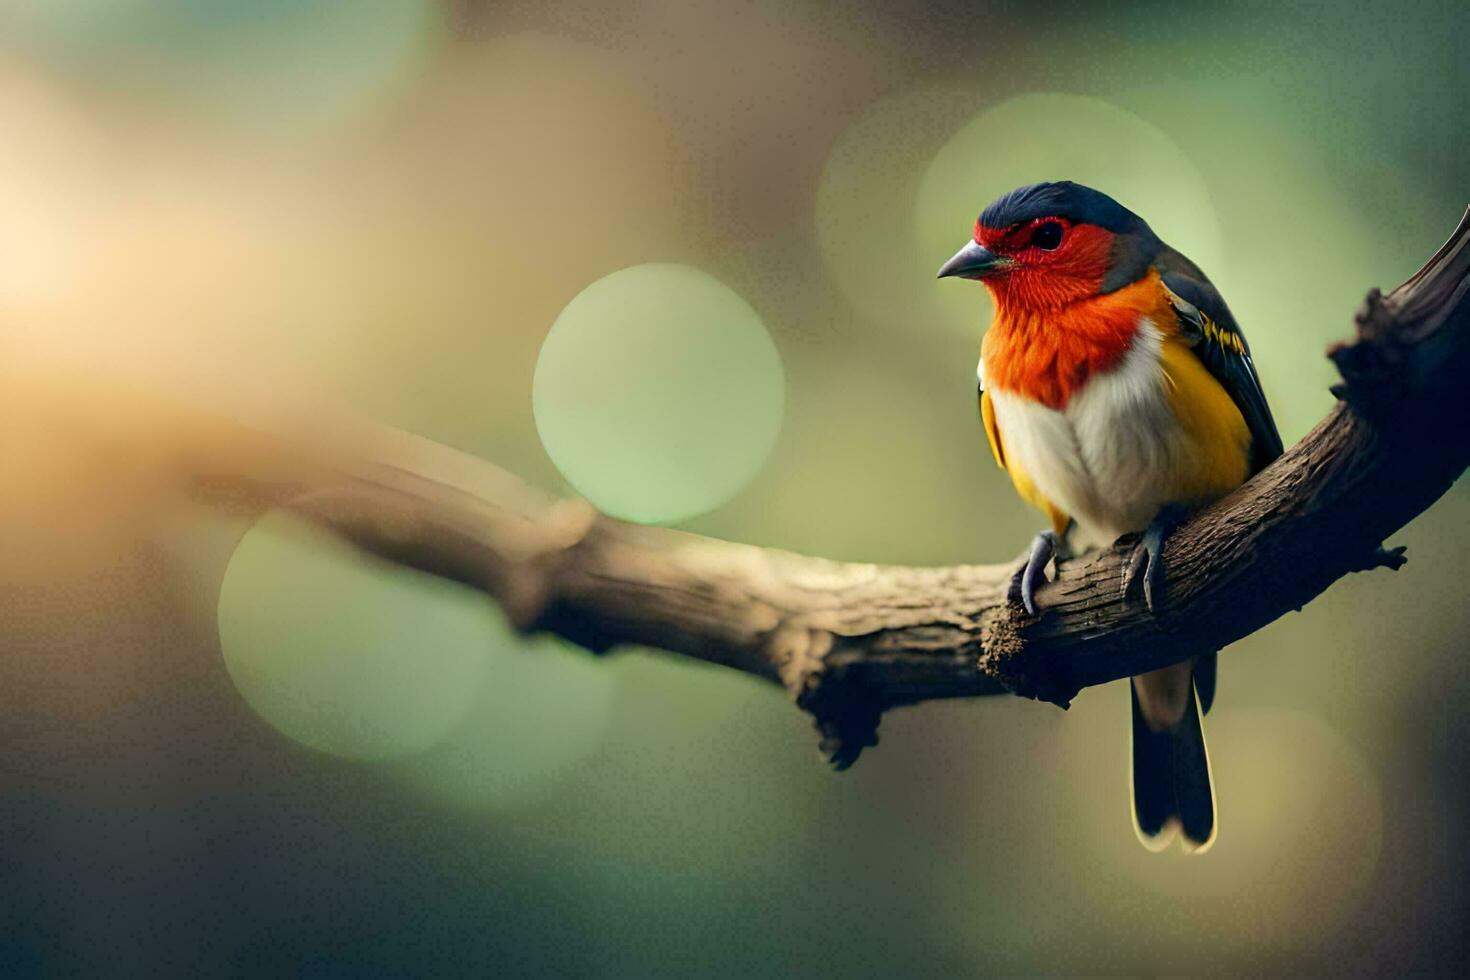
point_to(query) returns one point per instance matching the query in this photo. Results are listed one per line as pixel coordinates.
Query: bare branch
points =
(851, 640)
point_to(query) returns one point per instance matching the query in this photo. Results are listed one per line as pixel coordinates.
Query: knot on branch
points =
(1372, 363)
(1411, 341)
(845, 712)
(528, 586)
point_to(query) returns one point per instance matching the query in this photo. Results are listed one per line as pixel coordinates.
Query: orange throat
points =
(1047, 354)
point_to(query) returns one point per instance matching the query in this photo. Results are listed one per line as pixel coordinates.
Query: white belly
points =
(1109, 457)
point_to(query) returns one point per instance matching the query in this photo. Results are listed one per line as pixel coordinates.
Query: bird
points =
(1119, 394)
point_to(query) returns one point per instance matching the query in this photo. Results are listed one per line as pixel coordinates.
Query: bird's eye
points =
(1048, 235)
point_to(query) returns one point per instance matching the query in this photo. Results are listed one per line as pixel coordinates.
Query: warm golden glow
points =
(678, 257)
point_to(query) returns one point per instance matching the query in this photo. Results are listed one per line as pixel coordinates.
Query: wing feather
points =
(1217, 340)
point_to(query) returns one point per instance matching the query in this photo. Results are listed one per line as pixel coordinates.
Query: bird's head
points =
(1049, 245)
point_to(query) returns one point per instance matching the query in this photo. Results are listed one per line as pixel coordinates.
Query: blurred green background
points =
(679, 258)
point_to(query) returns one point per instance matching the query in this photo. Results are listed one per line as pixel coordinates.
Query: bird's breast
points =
(1049, 354)
(1127, 440)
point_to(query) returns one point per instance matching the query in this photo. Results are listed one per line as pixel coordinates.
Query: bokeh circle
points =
(343, 653)
(658, 393)
(545, 709)
(865, 203)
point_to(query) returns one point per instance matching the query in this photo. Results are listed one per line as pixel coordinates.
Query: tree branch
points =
(851, 640)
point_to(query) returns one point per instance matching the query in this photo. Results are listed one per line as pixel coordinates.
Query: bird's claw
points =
(1032, 574)
(1146, 564)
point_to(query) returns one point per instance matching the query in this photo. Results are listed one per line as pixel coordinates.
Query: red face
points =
(1046, 262)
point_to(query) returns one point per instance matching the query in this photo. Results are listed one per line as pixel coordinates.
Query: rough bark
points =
(851, 640)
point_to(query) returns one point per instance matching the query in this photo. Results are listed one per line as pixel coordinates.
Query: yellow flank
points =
(992, 434)
(1024, 487)
(1212, 423)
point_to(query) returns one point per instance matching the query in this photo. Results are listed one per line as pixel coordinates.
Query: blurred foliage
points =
(415, 210)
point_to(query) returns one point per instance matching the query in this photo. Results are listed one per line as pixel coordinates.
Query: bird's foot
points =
(1146, 565)
(1032, 574)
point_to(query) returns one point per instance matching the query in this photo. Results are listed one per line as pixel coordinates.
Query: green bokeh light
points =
(865, 204)
(1051, 136)
(345, 654)
(658, 393)
(412, 269)
(545, 709)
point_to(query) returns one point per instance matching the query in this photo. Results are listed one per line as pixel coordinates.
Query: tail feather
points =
(1204, 680)
(1172, 789)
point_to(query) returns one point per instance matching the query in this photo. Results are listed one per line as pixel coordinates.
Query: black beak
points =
(974, 261)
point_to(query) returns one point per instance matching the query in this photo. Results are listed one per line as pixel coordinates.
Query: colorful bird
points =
(1119, 394)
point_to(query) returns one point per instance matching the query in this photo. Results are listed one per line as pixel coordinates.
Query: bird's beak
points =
(974, 261)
